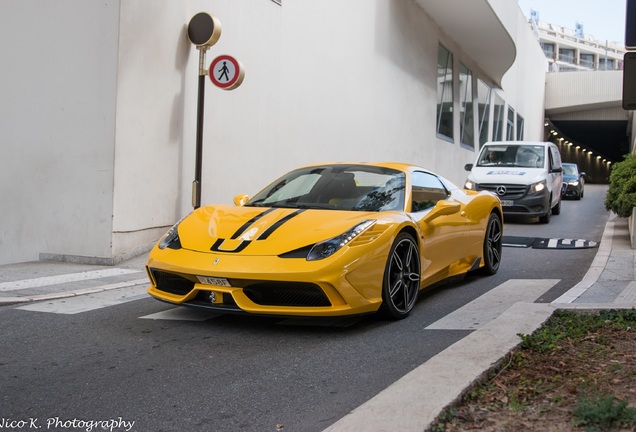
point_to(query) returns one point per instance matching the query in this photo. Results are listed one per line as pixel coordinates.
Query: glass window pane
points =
(520, 126)
(483, 101)
(498, 125)
(444, 92)
(510, 125)
(466, 123)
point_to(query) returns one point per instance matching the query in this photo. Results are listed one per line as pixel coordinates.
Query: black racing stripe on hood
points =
(278, 224)
(247, 224)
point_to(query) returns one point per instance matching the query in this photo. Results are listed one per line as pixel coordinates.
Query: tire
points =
(545, 218)
(401, 283)
(556, 210)
(493, 240)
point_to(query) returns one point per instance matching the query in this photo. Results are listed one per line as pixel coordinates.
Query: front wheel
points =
(556, 210)
(401, 283)
(493, 241)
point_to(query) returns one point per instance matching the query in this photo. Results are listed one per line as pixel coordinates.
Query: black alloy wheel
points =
(401, 283)
(493, 241)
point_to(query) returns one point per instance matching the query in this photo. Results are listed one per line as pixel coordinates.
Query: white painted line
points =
(595, 270)
(489, 306)
(65, 278)
(553, 243)
(88, 302)
(182, 314)
(414, 401)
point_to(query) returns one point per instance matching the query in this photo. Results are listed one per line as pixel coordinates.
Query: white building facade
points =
(99, 104)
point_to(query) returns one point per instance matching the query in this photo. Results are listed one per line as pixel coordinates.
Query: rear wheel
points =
(401, 283)
(493, 241)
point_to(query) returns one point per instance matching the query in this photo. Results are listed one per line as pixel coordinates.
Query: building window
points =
(510, 125)
(520, 126)
(466, 123)
(566, 55)
(606, 64)
(444, 93)
(498, 125)
(587, 60)
(483, 104)
(548, 50)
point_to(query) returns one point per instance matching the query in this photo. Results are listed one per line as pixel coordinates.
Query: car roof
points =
(400, 166)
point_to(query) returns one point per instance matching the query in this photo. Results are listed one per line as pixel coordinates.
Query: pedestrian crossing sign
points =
(226, 72)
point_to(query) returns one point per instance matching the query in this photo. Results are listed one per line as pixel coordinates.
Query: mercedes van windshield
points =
(513, 155)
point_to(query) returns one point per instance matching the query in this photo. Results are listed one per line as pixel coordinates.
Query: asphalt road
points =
(231, 373)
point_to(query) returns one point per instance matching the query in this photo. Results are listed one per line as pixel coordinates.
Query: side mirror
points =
(582, 174)
(241, 199)
(468, 167)
(557, 169)
(442, 208)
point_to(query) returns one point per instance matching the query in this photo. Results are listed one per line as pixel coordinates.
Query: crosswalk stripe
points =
(65, 278)
(490, 305)
(127, 292)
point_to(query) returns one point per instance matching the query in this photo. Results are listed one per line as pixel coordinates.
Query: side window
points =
(444, 93)
(427, 190)
(555, 158)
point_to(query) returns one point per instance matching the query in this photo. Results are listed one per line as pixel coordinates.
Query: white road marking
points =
(489, 306)
(128, 291)
(65, 278)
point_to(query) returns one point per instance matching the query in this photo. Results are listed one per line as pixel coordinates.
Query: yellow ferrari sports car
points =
(329, 240)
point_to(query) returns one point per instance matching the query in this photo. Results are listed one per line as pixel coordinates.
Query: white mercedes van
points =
(526, 176)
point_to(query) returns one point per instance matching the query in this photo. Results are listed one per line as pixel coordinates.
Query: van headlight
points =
(470, 185)
(537, 187)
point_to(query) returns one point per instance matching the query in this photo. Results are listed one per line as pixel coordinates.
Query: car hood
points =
(261, 230)
(507, 175)
(569, 178)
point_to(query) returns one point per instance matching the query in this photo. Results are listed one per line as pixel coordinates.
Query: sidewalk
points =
(42, 280)
(413, 402)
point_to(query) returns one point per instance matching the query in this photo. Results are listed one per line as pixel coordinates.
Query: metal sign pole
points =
(196, 184)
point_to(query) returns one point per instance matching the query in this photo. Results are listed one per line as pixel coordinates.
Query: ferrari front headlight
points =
(329, 247)
(171, 238)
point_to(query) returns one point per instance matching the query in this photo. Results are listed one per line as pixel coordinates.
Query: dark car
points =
(573, 181)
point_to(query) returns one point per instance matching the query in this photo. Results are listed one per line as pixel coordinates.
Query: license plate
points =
(507, 203)
(207, 280)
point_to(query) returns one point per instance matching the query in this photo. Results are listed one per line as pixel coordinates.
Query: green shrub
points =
(621, 195)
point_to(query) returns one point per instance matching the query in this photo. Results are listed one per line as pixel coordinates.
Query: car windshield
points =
(570, 170)
(338, 187)
(512, 155)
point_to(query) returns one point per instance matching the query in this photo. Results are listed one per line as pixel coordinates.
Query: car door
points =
(441, 222)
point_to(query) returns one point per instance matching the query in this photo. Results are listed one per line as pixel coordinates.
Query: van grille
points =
(513, 191)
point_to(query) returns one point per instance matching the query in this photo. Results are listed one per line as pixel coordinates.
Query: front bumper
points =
(570, 191)
(284, 286)
(517, 200)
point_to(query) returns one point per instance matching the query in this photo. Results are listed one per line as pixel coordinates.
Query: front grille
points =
(286, 294)
(513, 191)
(172, 283)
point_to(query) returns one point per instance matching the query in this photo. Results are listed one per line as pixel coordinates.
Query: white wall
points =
(101, 130)
(57, 117)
